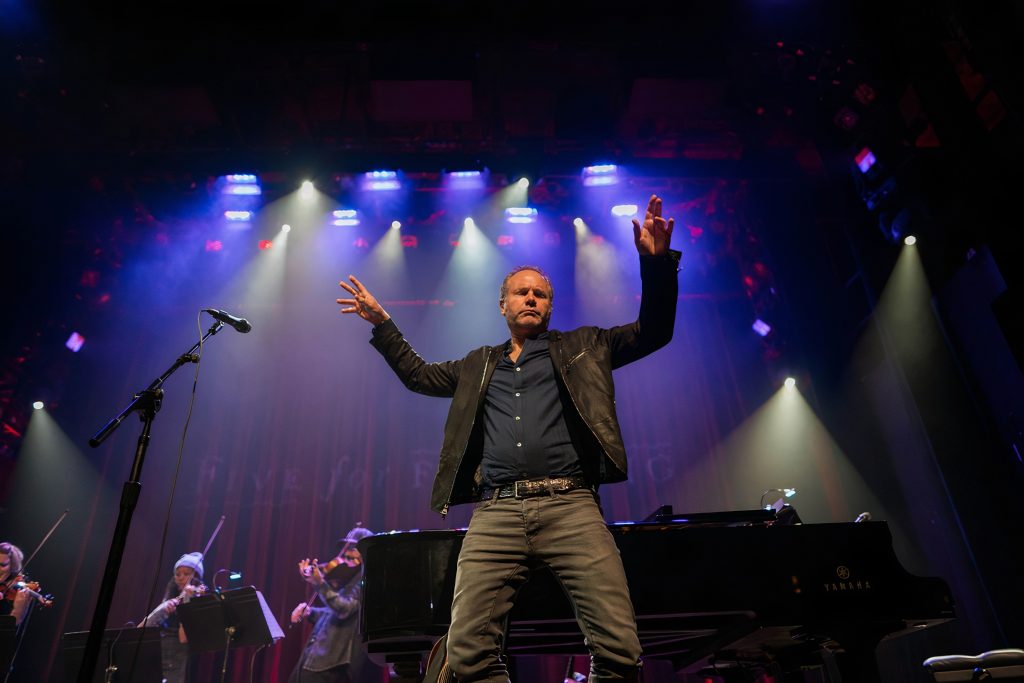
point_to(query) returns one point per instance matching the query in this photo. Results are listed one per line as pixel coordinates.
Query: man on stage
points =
(531, 433)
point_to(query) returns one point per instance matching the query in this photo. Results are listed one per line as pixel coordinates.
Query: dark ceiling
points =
(341, 86)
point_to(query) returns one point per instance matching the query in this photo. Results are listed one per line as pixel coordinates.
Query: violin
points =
(338, 567)
(189, 591)
(19, 584)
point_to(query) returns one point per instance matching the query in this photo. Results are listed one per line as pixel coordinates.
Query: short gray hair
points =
(503, 292)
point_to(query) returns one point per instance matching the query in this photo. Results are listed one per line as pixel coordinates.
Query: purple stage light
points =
(245, 184)
(865, 159)
(249, 190)
(521, 214)
(761, 327)
(344, 217)
(381, 180)
(238, 215)
(465, 180)
(624, 210)
(75, 342)
(601, 174)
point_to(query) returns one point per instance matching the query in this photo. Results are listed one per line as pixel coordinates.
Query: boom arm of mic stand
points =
(136, 404)
(148, 402)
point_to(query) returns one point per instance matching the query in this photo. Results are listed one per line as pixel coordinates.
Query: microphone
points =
(240, 324)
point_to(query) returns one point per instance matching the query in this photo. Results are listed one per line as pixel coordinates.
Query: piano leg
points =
(857, 662)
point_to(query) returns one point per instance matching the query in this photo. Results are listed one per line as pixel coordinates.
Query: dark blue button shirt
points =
(525, 435)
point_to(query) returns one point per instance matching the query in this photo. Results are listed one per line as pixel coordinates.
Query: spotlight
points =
(521, 214)
(790, 383)
(602, 174)
(265, 244)
(578, 222)
(865, 159)
(344, 217)
(38, 405)
(75, 342)
(469, 222)
(465, 180)
(286, 228)
(381, 180)
(761, 327)
(910, 240)
(624, 210)
(395, 225)
(242, 184)
(238, 215)
(523, 183)
(307, 190)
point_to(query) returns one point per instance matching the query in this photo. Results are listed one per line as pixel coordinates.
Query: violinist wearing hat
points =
(334, 653)
(186, 582)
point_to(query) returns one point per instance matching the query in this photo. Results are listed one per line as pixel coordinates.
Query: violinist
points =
(334, 653)
(13, 601)
(185, 583)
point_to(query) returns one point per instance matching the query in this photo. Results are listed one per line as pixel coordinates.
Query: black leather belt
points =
(527, 488)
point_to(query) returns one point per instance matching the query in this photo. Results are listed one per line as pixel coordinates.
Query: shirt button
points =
(518, 369)
(519, 444)
(517, 418)
(517, 393)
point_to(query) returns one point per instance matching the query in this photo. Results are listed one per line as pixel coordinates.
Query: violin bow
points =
(213, 535)
(45, 539)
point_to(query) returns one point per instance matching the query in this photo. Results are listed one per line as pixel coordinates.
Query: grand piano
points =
(736, 590)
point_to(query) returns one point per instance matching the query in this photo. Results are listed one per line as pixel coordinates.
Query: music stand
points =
(134, 651)
(236, 618)
(8, 642)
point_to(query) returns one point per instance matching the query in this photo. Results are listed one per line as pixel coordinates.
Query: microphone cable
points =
(174, 480)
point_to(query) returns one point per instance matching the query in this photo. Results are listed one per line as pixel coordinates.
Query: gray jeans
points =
(506, 538)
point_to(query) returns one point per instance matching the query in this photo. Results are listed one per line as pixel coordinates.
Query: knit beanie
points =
(193, 560)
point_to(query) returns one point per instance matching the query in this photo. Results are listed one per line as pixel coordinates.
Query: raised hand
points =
(362, 302)
(652, 238)
(310, 572)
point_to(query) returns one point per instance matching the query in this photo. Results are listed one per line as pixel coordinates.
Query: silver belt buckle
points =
(515, 488)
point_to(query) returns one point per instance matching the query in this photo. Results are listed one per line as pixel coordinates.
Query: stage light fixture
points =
(38, 405)
(790, 383)
(601, 174)
(265, 244)
(238, 216)
(75, 342)
(381, 180)
(910, 240)
(521, 214)
(344, 217)
(286, 228)
(624, 210)
(865, 159)
(242, 184)
(761, 327)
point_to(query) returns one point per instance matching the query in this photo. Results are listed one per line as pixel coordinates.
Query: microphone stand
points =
(147, 403)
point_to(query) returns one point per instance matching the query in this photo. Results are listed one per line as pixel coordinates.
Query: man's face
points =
(527, 303)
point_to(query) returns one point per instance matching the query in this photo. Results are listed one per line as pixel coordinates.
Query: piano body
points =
(737, 587)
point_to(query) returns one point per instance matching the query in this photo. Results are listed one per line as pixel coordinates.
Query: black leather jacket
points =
(584, 359)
